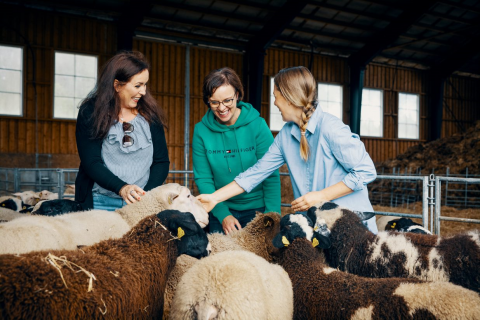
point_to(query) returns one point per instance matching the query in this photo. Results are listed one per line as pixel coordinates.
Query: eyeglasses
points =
(216, 104)
(127, 140)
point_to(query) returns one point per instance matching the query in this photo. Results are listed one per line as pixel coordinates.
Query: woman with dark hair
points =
(230, 138)
(120, 137)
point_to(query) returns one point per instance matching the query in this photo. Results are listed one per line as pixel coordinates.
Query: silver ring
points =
(131, 192)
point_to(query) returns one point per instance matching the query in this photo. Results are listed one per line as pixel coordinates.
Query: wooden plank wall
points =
(46, 33)
(167, 84)
(461, 105)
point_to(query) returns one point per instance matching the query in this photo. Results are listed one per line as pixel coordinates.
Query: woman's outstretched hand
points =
(230, 224)
(131, 193)
(208, 201)
(308, 200)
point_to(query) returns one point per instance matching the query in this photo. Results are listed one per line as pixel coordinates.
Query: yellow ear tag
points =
(169, 200)
(315, 242)
(24, 208)
(285, 241)
(181, 233)
(316, 228)
(393, 225)
(3, 204)
(267, 224)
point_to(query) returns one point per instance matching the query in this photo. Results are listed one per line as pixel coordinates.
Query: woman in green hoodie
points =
(230, 139)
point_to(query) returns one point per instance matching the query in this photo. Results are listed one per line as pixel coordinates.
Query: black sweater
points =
(92, 168)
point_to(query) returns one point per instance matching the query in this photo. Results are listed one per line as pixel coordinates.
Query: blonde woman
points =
(326, 161)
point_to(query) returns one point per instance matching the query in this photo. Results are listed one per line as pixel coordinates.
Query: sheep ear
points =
(180, 233)
(321, 241)
(278, 241)
(268, 222)
(364, 215)
(311, 214)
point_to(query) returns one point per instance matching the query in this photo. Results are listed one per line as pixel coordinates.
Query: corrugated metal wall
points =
(47, 32)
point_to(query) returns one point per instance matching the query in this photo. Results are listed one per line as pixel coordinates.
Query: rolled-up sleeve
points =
(350, 152)
(271, 161)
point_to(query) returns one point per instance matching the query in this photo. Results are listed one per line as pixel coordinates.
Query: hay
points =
(55, 262)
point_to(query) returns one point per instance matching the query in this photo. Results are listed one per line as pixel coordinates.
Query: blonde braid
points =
(306, 115)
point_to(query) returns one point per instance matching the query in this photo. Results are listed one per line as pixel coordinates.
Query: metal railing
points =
(437, 216)
(21, 179)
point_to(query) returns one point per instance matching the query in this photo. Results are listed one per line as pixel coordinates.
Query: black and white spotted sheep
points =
(393, 254)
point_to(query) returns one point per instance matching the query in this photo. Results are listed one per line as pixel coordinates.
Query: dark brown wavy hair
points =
(218, 78)
(122, 67)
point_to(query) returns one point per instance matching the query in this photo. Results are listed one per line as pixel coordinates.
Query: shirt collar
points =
(311, 126)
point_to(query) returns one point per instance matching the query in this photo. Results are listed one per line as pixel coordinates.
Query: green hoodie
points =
(222, 152)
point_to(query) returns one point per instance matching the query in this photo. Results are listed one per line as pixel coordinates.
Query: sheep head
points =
(191, 238)
(175, 196)
(299, 226)
(332, 212)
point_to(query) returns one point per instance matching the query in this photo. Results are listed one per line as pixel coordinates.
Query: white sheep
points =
(256, 237)
(47, 195)
(233, 285)
(28, 197)
(68, 231)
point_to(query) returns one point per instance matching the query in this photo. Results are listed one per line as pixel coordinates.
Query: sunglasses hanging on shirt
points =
(127, 140)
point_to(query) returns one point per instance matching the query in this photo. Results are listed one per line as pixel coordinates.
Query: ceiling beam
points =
(131, 18)
(380, 41)
(459, 57)
(277, 23)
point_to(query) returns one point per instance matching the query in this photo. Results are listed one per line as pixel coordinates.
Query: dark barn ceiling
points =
(423, 34)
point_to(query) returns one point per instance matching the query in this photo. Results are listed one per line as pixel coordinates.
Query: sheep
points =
(116, 279)
(8, 215)
(256, 237)
(11, 203)
(321, 292)
(47, 195)
(405, 225)
(391, 223)
(233, 285)
(56, 207)
(68, 231)
(394, 254)
(28, 197)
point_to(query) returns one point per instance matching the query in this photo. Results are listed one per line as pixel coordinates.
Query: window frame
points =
(23, 84)
(341, 97)
(382, 99)
(418, 116)
(74, 76)
(272, 106)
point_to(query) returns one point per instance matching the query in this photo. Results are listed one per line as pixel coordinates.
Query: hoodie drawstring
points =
(239, 153)
(228, 163)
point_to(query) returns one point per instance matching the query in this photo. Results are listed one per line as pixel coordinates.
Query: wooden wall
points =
(48, 31)
(45, 33)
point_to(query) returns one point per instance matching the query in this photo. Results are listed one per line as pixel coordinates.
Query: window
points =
(330, 97)
(75, 77)
(276, 121)
(11, 81)
(371, 120)
(408, 116)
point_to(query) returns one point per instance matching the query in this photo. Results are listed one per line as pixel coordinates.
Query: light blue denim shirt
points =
(336, 154)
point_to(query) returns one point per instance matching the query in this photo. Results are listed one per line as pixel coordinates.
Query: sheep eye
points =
(188, 196)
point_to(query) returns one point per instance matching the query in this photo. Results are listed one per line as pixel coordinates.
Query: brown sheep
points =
(321, 292)
(118, 279)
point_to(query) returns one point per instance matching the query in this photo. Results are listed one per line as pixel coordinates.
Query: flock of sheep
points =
(152, 259)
